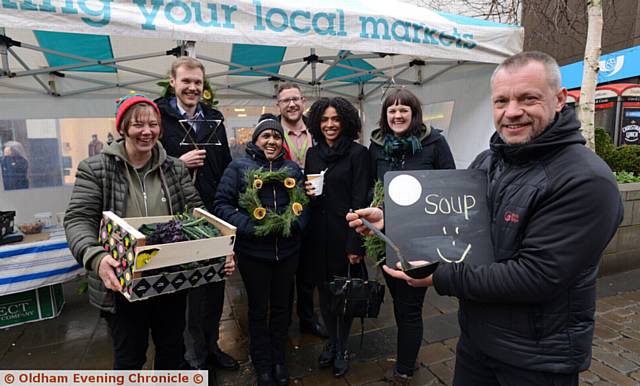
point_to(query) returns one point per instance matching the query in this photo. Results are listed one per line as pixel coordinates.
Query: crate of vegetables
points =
(160, 255)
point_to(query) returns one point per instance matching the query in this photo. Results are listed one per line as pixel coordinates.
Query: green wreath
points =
(268, 221)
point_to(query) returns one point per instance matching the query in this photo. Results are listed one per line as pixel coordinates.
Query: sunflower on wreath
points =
(269, 222)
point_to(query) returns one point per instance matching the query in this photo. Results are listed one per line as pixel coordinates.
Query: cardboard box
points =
(152, 270)
(30, 306)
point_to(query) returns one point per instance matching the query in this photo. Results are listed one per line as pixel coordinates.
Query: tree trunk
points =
(586, 108)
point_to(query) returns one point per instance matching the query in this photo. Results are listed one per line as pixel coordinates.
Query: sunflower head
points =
(257, 183)
(206, 95)
(296, 208)
(289, 183)
(259, 213)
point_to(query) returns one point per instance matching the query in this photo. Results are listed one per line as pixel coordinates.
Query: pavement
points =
(78, 339)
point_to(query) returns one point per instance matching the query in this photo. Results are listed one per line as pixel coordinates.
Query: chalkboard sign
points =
(438, 215)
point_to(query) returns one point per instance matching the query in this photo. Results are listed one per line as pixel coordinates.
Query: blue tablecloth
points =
(26, 266)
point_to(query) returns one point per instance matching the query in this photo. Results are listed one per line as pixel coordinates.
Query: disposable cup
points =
(317, 181)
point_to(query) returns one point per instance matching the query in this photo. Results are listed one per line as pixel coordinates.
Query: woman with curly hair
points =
(335, 124)
(404, 142)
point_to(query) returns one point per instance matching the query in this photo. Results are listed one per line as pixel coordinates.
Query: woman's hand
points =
(374, 215)
(398, 274)
(354, 259)
(230, 265)
(309, 189)
(107, 274)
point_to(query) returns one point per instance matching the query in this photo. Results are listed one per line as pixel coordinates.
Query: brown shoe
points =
(394, 378)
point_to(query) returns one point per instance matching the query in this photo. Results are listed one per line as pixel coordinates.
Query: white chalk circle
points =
(405, 190)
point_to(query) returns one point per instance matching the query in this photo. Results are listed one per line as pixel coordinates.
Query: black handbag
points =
(356, 297)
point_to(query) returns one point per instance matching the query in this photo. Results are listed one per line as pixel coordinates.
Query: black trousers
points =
(268, 285)
(130, 325)
(338, 326)
(477, 369)
(305, 284)
(204, 310)
(407, 309)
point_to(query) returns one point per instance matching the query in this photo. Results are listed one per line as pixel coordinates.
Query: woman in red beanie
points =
(132, 177)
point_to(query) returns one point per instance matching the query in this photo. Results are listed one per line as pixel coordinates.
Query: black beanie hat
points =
(267, 122)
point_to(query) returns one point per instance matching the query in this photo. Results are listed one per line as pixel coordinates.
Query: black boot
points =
(341, 364)
(327, 356)
(280, 375)
(265, 379)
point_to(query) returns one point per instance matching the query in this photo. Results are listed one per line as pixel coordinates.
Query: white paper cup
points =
(317, 181)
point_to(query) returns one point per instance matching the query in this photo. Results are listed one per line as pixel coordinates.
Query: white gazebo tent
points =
(72, 58)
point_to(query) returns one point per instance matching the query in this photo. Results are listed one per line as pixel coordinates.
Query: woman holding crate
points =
(132, 177)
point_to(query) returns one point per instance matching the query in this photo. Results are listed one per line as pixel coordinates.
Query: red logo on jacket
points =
(511, 217)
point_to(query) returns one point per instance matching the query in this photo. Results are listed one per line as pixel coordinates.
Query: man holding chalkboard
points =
(528, 317)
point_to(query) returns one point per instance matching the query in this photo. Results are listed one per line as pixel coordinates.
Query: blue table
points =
(33, 264)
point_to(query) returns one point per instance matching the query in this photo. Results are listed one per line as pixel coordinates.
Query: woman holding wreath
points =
(335, 124)
(261, 194)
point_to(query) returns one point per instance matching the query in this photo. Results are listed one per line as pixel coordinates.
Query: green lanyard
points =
(298, 153)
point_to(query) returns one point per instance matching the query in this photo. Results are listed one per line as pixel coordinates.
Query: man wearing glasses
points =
(297, 140)
(194, 132)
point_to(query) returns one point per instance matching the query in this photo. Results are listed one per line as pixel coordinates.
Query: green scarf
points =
(397, 147)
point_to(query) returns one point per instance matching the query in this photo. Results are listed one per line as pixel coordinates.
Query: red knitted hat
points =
(123, 104)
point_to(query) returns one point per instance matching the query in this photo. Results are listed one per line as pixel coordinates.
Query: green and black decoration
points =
(269, 222)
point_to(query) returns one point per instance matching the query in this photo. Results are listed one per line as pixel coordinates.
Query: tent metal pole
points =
(108, 84)
(3, 54)
(314, 79)
(301, 70)
(189, 48)
(376, 73)
(367, 95)
(21, 88)
(247, 68)
(437, 74)
(26, 67)
(353, 56)
(332, 66)
(89, 62)
(243, 68)
(250, 82)
(98, 88)
(228, 86)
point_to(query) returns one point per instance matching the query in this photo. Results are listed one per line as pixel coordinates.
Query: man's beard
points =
(292, 122)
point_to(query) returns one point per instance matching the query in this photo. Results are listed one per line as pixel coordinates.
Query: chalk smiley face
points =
(465, 253)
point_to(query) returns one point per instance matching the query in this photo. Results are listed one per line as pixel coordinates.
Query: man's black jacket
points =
(555, 205)
(218, 156)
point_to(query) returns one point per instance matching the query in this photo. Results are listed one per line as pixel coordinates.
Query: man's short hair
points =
(286, 86)
(188, 62)
(516, 61)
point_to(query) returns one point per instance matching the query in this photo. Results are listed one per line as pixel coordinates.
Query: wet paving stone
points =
(78, 339)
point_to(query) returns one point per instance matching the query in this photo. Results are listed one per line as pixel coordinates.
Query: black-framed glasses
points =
(286, 101)
(189, 125)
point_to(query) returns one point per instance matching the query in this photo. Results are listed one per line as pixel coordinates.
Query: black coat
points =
(271, 247)
(218, 157)
(14, 172)
(555, 205)
(434, 155)
(346, 183)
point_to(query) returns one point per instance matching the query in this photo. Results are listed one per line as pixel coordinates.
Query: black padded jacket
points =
(555, 206)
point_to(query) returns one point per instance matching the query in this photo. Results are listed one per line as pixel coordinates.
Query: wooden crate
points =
(152, 270)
